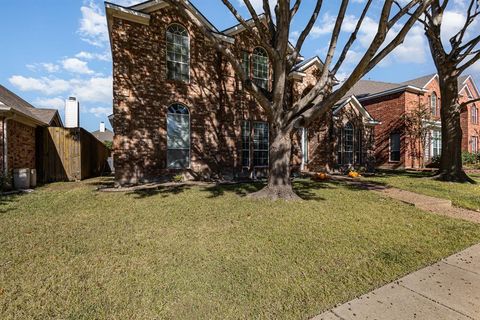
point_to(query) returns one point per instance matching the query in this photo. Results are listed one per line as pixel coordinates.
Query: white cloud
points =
(48, 67)
(44, 85)
(414, 47)
(100, 112)
(76, 66)
(93, 56)
(95, 89)
(56, 103)
(93, 25)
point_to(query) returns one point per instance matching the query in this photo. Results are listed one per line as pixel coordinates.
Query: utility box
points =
(21, 179)
(33, 178)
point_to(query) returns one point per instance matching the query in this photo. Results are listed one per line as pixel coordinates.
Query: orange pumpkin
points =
(353, 174)
(321, 176)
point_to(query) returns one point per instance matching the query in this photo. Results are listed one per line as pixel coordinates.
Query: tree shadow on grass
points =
(164, 192)
(6, 200)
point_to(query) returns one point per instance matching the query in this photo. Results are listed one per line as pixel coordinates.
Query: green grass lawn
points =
(70, 252)
(464, 195)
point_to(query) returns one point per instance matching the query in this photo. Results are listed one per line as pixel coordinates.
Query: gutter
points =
(392, 91)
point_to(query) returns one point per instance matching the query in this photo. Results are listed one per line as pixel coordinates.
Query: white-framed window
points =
(436, 143)
(178, 137)
(474, 114)
(474, 144)
(178, 53)
(255, 144)
(304, 137)
(433, 103)
(395, 147)
(246, 137)
(350, 145)
(260, 67)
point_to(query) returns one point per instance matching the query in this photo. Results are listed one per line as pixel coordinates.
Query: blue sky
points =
(52, 49)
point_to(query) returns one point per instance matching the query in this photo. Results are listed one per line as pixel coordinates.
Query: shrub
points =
(177, 178)
(470, 158)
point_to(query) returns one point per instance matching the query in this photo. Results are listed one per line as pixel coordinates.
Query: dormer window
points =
(433, 104)
(260, 67)
(178, 53)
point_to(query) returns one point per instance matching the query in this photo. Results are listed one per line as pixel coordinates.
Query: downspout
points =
(5, 144)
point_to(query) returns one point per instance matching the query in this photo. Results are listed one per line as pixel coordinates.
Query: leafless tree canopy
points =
(272, 29)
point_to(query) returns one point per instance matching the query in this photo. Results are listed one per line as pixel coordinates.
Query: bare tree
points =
(272, 33)
(450, 65)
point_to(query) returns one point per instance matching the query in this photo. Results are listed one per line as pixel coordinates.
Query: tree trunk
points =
(451, 166)
(279, 184)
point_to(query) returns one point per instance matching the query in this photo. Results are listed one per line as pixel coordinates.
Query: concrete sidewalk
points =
(449, 289)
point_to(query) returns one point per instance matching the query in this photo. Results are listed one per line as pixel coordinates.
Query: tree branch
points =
(352, 38)
(464, 104)
(306, 31)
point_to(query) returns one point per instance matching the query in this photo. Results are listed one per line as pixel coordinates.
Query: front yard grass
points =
(70, 252)
(463, 195)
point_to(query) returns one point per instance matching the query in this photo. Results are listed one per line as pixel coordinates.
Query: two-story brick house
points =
(178, 106)
(389, 102)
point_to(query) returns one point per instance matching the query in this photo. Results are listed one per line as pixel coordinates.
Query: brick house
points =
(20, 125)
(178, 106)
(389, 102)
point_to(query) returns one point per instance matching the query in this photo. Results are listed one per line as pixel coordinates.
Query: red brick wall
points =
(21, 145)
(389, 110)
(469, 128)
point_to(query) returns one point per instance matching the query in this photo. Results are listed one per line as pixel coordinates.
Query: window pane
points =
(260, 144)
(178, 137)
(260, 67)
(395, 147)
(246, 144)
(178, 53)
(178, 159)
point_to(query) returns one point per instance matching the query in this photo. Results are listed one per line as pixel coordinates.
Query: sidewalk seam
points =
(452, 265)
(435, 301)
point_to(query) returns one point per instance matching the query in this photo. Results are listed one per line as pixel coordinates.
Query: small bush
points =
(470, 158)
(177, 178)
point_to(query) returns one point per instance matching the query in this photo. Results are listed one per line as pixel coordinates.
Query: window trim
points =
(166, 52)
(434, 97)
(252, 73)
(249, 136)
(189, 137)
(474, 138)
(390, 147)
(252, 164)
(473, 119)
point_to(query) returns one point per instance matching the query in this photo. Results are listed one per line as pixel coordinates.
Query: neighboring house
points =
(19, 131)
(389, 102)
(178, 106)
(103, 134)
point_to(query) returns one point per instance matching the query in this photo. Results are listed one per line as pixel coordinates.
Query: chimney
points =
(102, 126)
(72, 113)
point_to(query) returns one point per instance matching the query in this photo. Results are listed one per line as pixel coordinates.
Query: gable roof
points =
(103, 136)
(420, 82)
(368, 88)
(39, 116)
(358, 105)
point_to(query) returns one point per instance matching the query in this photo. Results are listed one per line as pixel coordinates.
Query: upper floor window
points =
(178, 53)
(474, 114)
(433, 103)
(260, 66)
(178, 137)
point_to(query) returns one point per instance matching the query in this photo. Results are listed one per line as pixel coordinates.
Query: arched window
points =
(178, 53)
(178, 137)
(474, 114)
(433, 103)
(260, 67)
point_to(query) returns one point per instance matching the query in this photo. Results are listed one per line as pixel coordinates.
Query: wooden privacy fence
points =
(70, 155)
